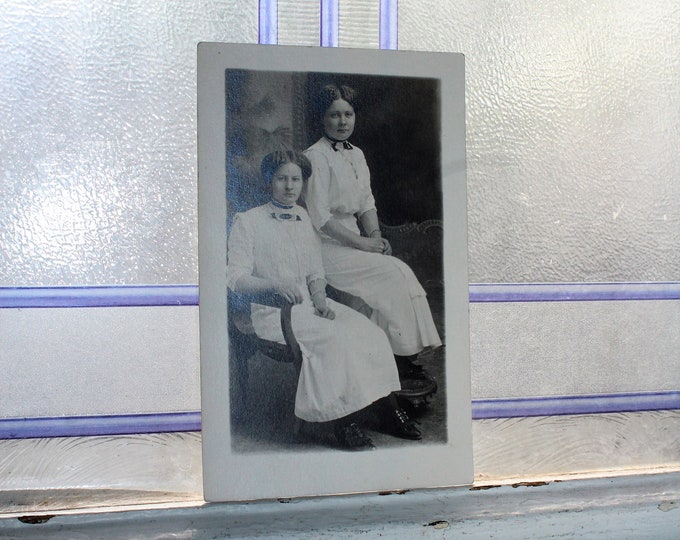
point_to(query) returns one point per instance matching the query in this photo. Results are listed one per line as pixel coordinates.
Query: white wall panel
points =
(566, 348)
(98, 361)
(94, 361)
(360, 24)
(299, 22)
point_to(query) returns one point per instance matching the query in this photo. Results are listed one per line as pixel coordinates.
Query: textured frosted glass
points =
(573, 122)
(98, 137)
(573, 131)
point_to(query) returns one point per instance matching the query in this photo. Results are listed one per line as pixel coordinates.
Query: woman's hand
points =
(387, 248)
(321, 307)
(290, 292)
(325, 312)
(372, 245)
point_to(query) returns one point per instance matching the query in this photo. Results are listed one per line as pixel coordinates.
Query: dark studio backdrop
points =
(397, 127)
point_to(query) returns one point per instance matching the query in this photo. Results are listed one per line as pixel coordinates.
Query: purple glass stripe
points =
(389, 12)
(563, 405)
(25, 428)
(99, 296)
(329, 23)
(82, 426)
(268, 28)
(187, 295)
(572, 292)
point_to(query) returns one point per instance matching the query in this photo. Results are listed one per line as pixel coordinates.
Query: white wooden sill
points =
(639, 506)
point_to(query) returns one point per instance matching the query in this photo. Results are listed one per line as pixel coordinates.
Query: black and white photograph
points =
(333, 275)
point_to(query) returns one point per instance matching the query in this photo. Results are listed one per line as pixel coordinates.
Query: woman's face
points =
(287, 184)
(338, 121)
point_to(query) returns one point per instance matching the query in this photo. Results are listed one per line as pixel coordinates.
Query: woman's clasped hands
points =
(374, 245)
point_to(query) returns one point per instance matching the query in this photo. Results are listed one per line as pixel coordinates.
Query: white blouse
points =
(274, 243)
(340, 185)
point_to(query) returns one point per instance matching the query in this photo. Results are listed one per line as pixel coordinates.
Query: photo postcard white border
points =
(231, 476)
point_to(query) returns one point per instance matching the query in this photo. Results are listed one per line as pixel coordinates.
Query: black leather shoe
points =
(414, 371)
(409, 370)
(397, 423)
(351, 437)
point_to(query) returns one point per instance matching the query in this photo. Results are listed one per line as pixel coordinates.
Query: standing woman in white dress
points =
(339, 197)
(347, 362)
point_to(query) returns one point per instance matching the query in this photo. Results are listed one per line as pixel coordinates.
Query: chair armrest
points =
(289, 336)
(240, 303)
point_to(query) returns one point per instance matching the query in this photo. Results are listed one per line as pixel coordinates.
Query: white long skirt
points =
(391, 289)
(347, 363)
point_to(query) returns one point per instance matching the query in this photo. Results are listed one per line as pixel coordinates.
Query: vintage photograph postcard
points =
(333, 271)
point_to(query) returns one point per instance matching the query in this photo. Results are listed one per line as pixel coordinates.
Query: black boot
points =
(408, 369)
(393, 420)
(350, 436)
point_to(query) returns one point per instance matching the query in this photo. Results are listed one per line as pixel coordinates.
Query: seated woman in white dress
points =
(347, 361)
(337, 196)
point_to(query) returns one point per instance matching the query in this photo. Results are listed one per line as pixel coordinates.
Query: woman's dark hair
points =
(271, 163)
(331, 93)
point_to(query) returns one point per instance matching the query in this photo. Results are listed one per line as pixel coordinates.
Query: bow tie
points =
(345, 145)
(285, 216)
